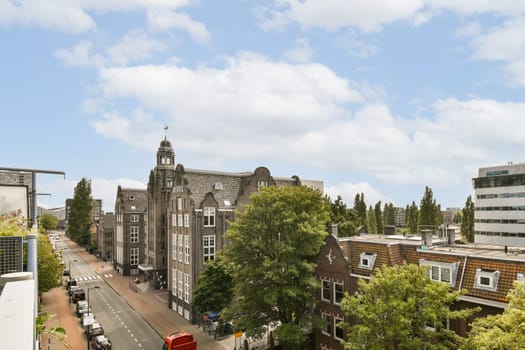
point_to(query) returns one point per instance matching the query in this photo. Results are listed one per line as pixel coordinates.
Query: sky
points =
(374, 97)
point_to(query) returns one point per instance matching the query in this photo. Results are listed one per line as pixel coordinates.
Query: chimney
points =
(451, 234)
(426, 238)
(332, 229)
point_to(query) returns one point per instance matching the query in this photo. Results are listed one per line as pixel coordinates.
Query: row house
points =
(130, 230)
(485, 273)
(189, 211)
(105, 234)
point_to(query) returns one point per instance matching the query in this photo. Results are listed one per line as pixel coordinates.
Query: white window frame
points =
(179, 246)
(323, 281)
(209, 216)
(327, 324)
(186, 249)
(173, 220)
(134, 218)
(520, 277)
(133, 234)
(186, 220)
(174, 281)
(179, 203)
(438, 271)
(187, 287)
(180, 282)
(492, 276)
(174, 246)
(338, 319)
(367, 260)
(134, 256)
(179, 220)
(208, 247)
(336, 291)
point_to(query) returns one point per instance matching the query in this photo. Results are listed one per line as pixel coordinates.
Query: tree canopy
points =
(396, 309)
(214, 289)
(80, 216)
(503, 331)
(361, 212)
(48, 222)
(273, 246)
(346, 219)
(467, 220)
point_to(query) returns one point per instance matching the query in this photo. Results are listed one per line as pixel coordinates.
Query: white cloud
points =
(162, 20)
(135, 46)
(356, 47)
(79, 56)
(301, 53)
(138, 130)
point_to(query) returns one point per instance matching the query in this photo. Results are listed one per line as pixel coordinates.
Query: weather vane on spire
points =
(165, 132)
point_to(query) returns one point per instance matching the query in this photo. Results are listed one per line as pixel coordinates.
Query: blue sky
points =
(377, 97)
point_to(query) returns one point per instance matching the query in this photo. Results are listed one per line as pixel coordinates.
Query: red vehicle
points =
(179, 341)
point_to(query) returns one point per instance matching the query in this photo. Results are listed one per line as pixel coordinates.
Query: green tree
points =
(467, 220)
(395, 308)
(412, 219)
(372, 225)
(214, 289)
(360, 210)
(344, 218)
(48, 222)
(407, 214)
(81, 217)
(49, 268)
(389, 214)
(427, 210)
(273, 247)
(379, 218)
(503, 331)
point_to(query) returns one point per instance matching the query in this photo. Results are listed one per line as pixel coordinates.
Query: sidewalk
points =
(151, 304)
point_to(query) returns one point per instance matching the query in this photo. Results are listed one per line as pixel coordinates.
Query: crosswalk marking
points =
(88, 278)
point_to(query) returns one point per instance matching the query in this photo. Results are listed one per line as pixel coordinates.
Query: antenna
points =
(165, 132)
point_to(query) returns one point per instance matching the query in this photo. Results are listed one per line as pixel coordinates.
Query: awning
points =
(145, 267)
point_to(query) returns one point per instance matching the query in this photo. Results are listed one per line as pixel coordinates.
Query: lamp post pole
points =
(89, 310)
(74, 260)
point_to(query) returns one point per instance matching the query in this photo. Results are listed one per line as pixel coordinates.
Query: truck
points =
(179, 341)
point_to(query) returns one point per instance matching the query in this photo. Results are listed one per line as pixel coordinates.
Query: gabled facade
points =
(130, 230)
(484, 273)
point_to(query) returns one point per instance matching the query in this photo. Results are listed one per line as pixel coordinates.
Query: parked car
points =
(82, 307)
(179, 341)
(87, 319)
(73, 289)
(77, 295)
(94, 330)
(101, 342)
(70, 283)
(65, 272)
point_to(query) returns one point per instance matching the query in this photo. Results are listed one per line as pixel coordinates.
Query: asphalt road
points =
(125, 328)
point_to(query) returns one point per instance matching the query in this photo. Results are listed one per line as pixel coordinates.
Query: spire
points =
(165, 132)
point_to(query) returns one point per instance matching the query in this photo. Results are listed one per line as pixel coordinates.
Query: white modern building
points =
(500, 205)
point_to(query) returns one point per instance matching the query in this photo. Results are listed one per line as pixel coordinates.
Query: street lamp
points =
(74, 260)
(89, 309)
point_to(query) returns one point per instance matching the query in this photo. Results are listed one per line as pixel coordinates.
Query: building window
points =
(186, 220)
(261, 184)
(174, 246)
(209, 217)
(208, 248)
(440, 271)
(179, 245)
(339, 332)
(186, 249)
(134, 234)
(367, 260)
(520, 277)
(486, 279)
(179, 282)
(325, 292)
(134, 256)
(179, 220)
(327, 324)
(186, 287)
(338, 292)
(134, 218)
(174, 281)
(173, 220)
(179, 203)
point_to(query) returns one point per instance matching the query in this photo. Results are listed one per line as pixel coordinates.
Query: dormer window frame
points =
(367, 260)
(444, 272)
(486, 280)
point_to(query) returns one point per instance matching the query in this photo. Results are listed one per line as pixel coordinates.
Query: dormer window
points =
(520, 277)
(367, 260)
(441, 271)
(261, 184)
(218, 186)
(486, 279)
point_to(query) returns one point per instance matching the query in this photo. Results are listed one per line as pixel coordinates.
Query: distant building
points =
(129, 230)
(486, 274)
(499, 216)
(105, 235)
(400, 217)
(17, 179)
(188, 215)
